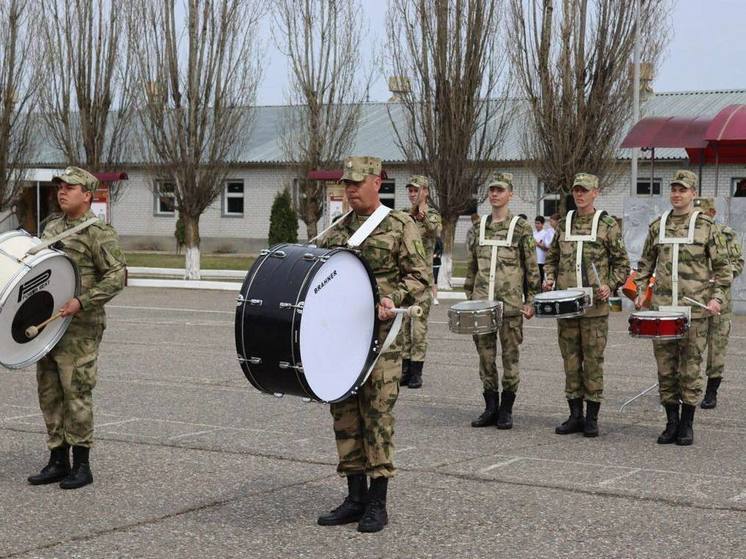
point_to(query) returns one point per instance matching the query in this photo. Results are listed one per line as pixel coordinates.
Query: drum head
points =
(337, 325)
(657, 315)
(479, 305)
(559, 295)
(30, 298)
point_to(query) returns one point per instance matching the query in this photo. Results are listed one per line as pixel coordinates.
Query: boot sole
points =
(679, 442)
(47, 481)
(590, 435)
(707, 407)
(341, 523)
(504, 427)
(76, 486)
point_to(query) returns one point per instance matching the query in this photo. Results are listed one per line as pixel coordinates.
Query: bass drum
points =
(306, 322)
(32, 289)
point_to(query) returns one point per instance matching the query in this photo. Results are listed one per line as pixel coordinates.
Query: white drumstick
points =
(32, 331)
(697, 303)
(414, 310)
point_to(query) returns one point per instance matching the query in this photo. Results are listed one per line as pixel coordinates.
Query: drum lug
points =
(264, 252)
(298, 307)
(309, 256)
(254, 302)
(286, 365)
(278, 394)
(278, 254)
(250, 360)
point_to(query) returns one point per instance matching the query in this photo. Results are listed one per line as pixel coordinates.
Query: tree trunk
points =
(192, 241)
(446, 261)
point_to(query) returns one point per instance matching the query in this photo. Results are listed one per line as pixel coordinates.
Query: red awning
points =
(333, 175)
(111, 176)
(729, 125)
(668, 132)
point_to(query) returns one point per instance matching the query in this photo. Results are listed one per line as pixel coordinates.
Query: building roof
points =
(375, 136)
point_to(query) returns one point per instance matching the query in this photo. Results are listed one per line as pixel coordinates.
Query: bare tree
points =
(198, 74)
(18, 87)
(327, 84)
(86, 104)
(450, 122)
(572, 60)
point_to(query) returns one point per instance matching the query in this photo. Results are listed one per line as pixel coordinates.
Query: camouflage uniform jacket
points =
(735, 255)
(394, 252)
(430, 227)
(704, 266)
(514, 263)
(101, 267)
(607, 252)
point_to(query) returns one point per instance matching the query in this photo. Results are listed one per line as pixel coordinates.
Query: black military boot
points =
(574, 423)
(405, 372)
(353, 507)
(668, 436)
(505, 411)
(590, 429)
(375, 517)
(711, 394)
(81, 473)
(57, 469)
(685, 435)
(489, 415)
(415, 370)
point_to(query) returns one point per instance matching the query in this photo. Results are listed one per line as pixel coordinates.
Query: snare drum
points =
(565, 303)
(658, 325)
(475, 317)
(306, 322)
(32, 289)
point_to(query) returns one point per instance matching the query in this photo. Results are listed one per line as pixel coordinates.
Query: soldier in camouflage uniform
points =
(719, 325)
(582, 340)
(516, 264)
(67, 374)
(414, 330)
(704, 270)
(364, 423)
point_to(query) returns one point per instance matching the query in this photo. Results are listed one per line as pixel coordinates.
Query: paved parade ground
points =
(191, 461)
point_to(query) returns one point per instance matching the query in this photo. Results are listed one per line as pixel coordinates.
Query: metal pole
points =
(635, 97)
(38, 209)
(652, 170)
(717, 168)
(701, 162)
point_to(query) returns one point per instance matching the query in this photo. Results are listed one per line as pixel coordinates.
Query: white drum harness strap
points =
(579, 240)
(495, 244)
(676, 242)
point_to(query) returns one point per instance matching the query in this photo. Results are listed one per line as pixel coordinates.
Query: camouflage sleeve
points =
(735, 253)
(109, 262)
(551, 262)
(532, 275)
(722, 274)
(648, 259)
(618, 259)
(433, 225)
(413, 268)
(471, 262)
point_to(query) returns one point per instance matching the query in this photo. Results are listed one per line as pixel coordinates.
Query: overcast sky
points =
(707, 50)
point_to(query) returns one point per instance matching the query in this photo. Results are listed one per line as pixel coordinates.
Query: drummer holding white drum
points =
(67, 374)
(689, 256)
(587, 254)
(500, 256)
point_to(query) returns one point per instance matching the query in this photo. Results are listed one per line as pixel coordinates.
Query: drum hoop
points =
(249, 281)
(298, 317)
(564, 298)
(65, 321)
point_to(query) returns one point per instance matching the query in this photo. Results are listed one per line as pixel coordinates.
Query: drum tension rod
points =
(298, 307)
(250, 360)
(255, 302)
(286, 365)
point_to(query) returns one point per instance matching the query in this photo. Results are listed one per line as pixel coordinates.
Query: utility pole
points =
(636, 99)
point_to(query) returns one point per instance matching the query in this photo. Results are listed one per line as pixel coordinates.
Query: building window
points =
(233, 198)
(739, 187)
(388, 193)
(549, 202)
(643, 186)
(165, 198)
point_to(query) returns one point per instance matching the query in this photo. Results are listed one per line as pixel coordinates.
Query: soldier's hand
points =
(603, 293)
(548, 285)
(713, 306)
(70, 308)
(528, 311)
(639, 301)
(385, 309)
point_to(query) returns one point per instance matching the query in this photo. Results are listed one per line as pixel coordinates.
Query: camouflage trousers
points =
(511, 338)
(679, 363)
(582, 342)
(65, 379)
(364, 423)
(414, 333)
(718, 332)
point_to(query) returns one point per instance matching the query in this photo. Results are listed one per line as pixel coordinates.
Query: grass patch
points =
(207, 261)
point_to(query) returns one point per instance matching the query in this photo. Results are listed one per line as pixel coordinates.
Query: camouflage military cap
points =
(76, 175)
(586, 180)
(418, 181)
(356, 168)
(685, 178)
(704, 204)
(504, 180)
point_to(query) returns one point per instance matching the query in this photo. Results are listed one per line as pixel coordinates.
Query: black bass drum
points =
(306, 322)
